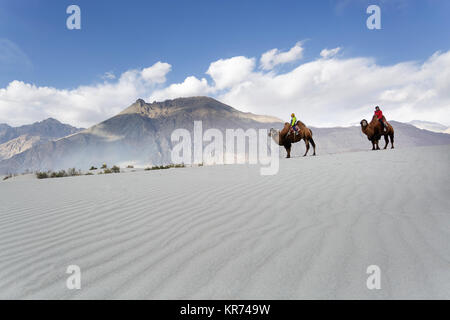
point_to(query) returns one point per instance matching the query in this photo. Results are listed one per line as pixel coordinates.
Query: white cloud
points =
(325, 53)
(191, 86)
(322, 92)
(156, 73)
(229, 72)
(109, 75)
(342, 91)
(23, 103)
(225, 73)
(274, 57)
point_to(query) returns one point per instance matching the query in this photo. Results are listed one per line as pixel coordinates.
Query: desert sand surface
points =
(226, 232)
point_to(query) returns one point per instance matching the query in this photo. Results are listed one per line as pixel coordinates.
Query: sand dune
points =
(226, 232)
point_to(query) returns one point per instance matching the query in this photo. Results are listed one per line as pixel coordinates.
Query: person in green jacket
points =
(293, 122)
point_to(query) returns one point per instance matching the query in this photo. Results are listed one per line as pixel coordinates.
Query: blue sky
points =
(120, 35)
(36, 47)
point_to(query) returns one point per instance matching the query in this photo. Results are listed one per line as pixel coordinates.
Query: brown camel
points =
(286, 137)
(374, 131)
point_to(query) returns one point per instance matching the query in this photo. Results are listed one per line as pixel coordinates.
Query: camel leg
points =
(392, 140)
(314, 146)
(288, 150)
(386, 140)
(307, 146)
(373, 145)
(377, 144)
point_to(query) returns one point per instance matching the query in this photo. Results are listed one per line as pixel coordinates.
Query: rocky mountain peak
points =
(140, 102)
(50, 120)
(198, 106)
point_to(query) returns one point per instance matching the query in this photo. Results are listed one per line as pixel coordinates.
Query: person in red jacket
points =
(379, 115)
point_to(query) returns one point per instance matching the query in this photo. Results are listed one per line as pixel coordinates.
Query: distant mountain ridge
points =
(430, 126)
(50, 128)
(141, 135)
(14, 140)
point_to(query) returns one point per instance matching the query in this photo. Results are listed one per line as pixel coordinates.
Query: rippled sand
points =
(226, 232)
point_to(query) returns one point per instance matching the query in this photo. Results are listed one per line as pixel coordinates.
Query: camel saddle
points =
(292, 130)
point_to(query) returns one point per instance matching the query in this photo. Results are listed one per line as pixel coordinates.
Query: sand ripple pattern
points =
(227, 232)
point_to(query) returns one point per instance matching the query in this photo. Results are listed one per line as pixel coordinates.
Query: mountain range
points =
(15, 140)
(430, 126)
(140, 135)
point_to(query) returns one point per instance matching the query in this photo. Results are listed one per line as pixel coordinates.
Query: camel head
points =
(275, 134)
(365, 129)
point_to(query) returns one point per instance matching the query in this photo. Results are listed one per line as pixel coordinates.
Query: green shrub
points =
(115, 169)
(73, 172)
(130, 167)
(89, 174)
(159, 167)
(93, 168)
(106, 171)
(58, 174)
(162, 167)
(42, 175)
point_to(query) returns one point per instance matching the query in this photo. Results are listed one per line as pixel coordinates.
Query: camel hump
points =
(300, 124)
(375, 119)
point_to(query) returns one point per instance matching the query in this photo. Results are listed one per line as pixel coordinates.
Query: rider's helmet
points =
(293, 115)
